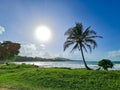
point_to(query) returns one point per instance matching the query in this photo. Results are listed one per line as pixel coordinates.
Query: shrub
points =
(105, 64)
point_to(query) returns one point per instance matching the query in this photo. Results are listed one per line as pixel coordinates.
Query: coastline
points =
(68, 64)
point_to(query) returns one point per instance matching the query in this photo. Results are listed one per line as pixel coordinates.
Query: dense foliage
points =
(29, 77)
(8, 50)
(25, 58)
(105, 64)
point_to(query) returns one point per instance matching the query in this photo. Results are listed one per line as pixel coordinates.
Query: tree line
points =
(25, 58)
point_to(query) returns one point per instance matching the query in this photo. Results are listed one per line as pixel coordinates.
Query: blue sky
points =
(19, 18)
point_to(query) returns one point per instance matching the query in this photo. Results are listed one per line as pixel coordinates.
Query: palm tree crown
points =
(81, 39)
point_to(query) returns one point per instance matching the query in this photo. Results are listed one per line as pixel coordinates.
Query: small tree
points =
(9, 50)
(105, 64)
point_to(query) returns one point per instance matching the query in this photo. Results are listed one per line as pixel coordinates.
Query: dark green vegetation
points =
(30, 77)
(81, 39)
(8, 50)
(105, 64)
(25, 58)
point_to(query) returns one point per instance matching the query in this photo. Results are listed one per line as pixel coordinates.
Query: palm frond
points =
(75, 47)
(71, 38)
(94, 36)
(83, 46)
(89, 47)
(92, 32)
(67, 44)
(89, 32)
(77, 35)
(86, 32)
(92, 42)
(69, 31)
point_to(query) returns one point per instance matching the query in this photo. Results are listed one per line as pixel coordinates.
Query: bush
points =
(105, 64)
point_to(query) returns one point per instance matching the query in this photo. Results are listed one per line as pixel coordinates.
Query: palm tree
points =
(81, 39)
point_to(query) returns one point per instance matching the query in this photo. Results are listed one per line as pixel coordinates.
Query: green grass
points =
(28, 77)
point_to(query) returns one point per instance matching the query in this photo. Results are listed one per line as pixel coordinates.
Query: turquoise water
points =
(70, 64)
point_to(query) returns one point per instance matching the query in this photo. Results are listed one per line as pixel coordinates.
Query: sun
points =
(43, 33)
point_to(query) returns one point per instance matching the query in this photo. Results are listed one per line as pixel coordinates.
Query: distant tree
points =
(105, 64)
(9, 50)
(81, 39)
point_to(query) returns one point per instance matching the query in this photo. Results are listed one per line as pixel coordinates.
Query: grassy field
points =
(28, 77)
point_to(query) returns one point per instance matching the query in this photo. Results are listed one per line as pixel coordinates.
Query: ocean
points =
(70, 64)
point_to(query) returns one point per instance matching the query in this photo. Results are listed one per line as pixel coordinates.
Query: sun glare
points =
(43, 33)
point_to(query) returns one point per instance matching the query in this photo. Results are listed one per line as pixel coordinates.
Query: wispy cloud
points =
(28, 50)
(2, 29)
(42, 46)
(31, 50)
(75, 56)
(114, 55)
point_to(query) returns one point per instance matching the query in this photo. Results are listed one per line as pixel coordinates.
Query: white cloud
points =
(2, 29)
(28, 50)
(42, 46)
(31, 50)
(114, 55)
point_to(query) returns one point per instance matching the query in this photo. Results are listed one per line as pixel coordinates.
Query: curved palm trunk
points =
(84, 58)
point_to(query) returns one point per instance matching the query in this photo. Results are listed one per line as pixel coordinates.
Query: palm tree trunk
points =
(84, 58)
